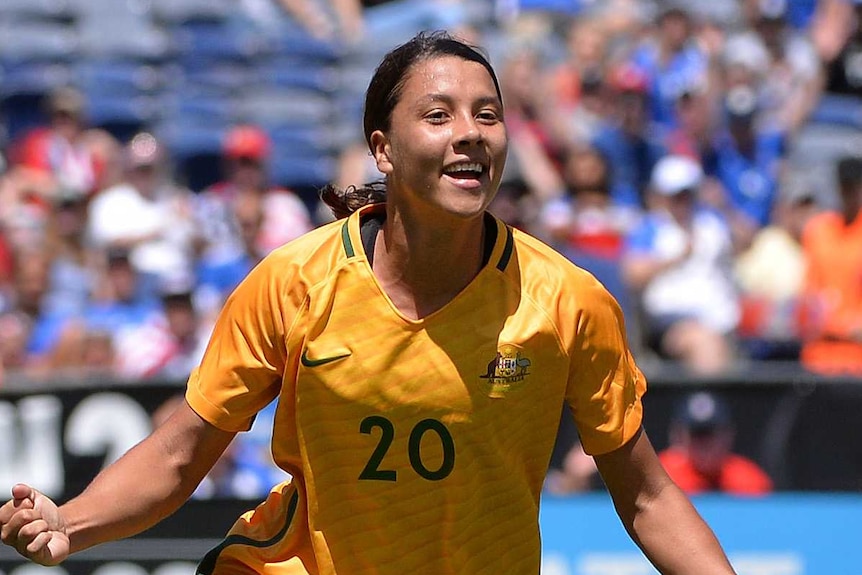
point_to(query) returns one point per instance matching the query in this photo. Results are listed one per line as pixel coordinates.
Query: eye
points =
(436, 116)
(488, 116)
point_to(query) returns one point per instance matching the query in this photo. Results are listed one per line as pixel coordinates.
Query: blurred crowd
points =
(656, 144)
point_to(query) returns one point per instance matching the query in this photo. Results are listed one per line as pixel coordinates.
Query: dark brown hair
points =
(383, 94)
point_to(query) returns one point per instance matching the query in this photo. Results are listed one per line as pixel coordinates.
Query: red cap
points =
(247, 142)
(629, 78)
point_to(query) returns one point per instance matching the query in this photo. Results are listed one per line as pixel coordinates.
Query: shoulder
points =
(537, 258)
(321, 246)
(553, 281)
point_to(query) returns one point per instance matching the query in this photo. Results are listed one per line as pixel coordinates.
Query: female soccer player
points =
(420, 351)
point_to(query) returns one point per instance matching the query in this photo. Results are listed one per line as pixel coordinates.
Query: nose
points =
(467, 131)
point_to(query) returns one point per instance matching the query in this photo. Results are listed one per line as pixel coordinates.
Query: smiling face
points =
(446, 144)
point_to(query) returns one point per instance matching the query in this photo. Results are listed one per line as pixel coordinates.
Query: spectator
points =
(672, 61)
(146, 215)
(627, 141)
(327, 21)
(7, 196)
(679, 260)
(844, 72)
(771, 275)
(14, 358)
(285, 217)
(746, 159)
(73, 268)
(586, 221)
(700, 457)
(218, 277)
(127, 308)
(795, 78)
(186, 330)
(44, 327)
(697, 120)
(58, 156)
(515, 204)
(533, 124)
(832, 243)
(576, 86)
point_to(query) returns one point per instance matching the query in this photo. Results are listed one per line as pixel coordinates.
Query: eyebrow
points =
(440, 97)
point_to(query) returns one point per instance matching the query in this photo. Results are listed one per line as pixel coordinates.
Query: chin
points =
(467, 208)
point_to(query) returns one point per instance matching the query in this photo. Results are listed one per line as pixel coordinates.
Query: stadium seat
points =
(55, 10)
(822, 142)
(214, 40)
(25, 40)
(171, 12)
(211, 75)
(296, 43)
(186, 139)
(309, 139)
(286, 106)
(121, 112)
(117, 76)
(195, 106)
(296, 72)
(119, 28)
(839, 109)
(301, 171)
(32, 76)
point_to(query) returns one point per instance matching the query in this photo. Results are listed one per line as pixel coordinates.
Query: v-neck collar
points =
(371, 223)
(359, 232)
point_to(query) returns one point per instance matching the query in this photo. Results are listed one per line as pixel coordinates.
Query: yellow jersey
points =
(414, 446)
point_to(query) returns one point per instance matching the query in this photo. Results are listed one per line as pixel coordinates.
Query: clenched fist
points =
(31, 523)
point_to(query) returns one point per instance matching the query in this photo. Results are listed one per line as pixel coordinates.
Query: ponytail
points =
(345, 202)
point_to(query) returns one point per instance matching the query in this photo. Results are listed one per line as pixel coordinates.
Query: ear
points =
(381, 150)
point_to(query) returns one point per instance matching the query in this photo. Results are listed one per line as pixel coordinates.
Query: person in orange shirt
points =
(701, 457)
(832, 296)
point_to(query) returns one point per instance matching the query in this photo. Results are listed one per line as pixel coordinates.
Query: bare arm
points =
(140, 489)
(657, 515)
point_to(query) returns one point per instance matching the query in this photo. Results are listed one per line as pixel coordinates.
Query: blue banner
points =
(786, 534)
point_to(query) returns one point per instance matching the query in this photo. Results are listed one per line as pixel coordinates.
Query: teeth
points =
(465, 167)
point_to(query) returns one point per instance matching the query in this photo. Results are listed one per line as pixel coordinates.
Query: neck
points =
(422, 267)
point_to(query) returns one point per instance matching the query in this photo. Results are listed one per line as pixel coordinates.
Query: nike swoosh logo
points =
(308, 362)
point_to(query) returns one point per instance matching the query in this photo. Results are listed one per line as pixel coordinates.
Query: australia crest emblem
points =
(506, 371)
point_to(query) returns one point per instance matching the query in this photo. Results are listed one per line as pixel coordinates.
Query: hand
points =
(31, 523)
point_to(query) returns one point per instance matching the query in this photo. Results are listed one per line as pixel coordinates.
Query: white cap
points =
(674, 174)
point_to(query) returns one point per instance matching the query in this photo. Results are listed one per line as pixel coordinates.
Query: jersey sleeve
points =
(605, 385)
(243, 366)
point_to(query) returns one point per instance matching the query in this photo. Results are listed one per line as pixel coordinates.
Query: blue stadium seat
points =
(172, 12)
(117, 28)
(195, 106)
(214, 75)
(297, 43)
(308, 139)
(105, 110)
(838, 109)
(116, 76)
(32, 76)
(265, 106)
(215, 40)
(25, 40)
(56, 10)
(297, 72)
(301, 171)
